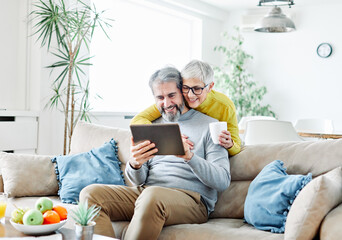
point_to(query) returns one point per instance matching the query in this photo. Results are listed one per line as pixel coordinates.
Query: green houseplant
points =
(233, 79)
(84, 217)
(72, 29)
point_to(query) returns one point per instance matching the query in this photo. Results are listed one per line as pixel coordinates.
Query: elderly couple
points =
(172, 189)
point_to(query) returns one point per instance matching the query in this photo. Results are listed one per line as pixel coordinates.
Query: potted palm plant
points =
(84, 220)
(72, 29)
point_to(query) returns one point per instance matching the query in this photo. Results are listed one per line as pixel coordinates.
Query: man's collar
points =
(186, 115)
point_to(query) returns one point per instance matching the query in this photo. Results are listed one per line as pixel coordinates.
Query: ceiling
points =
(229, 5)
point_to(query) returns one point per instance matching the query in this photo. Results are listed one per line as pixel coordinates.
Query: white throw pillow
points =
(28, 175)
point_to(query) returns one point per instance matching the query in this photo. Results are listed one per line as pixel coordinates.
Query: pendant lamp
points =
(275, 21)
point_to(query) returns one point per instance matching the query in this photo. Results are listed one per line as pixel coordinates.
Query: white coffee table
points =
(8, 232)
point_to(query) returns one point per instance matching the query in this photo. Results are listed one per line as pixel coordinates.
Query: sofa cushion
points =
(214, 229)
(217, 229)
(99, 165)
(230, 203)
(329, 227)
(316, 157)
(88, 135)
(28, 175)
(312, 204)
(270, 196)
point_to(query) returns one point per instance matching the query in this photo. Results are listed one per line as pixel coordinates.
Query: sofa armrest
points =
(331, 225)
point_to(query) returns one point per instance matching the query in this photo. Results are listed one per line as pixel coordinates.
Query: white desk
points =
(321, 135)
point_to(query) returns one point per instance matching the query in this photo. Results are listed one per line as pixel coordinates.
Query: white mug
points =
(215, 130)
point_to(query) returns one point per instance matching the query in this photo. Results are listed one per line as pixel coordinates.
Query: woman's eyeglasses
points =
(196, 90)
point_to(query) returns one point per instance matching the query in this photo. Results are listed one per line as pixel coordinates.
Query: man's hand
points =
(225, 139)
(185, 138)
(188, 145)
(141, 153)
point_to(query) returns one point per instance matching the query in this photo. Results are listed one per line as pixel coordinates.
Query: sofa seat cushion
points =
(232, 229)
(218, 228)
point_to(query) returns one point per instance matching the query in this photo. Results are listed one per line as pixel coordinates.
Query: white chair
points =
(315, 125)
(243, 121)
(270, 131)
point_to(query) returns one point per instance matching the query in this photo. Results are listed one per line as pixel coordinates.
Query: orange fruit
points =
(51, 217)
(62, 212)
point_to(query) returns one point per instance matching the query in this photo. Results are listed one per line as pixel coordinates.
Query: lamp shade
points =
(275, 21)
(275, 2)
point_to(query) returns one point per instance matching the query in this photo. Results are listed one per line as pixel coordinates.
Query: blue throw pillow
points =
(270, 196)
(74, 172)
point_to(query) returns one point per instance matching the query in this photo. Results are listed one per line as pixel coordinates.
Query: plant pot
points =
(84, 232)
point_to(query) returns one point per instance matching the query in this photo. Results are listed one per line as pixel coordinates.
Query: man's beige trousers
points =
(147, 208)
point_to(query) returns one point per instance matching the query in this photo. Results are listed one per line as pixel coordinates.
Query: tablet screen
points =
(166, 137)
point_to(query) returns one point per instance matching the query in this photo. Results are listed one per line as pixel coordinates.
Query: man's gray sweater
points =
(207, 172)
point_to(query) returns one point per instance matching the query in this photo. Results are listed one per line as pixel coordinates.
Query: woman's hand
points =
(225, 139)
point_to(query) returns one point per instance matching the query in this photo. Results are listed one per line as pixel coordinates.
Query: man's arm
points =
(214, 170)
(136, 169)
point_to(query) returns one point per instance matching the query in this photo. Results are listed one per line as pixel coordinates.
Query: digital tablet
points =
(166, 137)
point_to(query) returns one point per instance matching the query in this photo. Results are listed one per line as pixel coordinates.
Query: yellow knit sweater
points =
(216, 105)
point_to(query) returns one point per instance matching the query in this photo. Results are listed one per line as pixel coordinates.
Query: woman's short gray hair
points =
(199, 70)
(166, 74)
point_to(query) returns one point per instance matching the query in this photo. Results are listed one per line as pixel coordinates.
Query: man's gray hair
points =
(199, 70)
(166, 74)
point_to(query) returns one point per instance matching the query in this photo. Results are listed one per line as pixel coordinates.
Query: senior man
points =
(169, 189)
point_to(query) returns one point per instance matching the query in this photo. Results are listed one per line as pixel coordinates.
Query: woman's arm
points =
(234, 132)
(147, 116)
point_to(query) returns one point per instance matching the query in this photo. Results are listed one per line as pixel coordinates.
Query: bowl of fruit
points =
(44, 218)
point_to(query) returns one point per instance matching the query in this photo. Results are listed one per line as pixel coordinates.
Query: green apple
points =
(33, 217)
(43, 204)
(17, 215)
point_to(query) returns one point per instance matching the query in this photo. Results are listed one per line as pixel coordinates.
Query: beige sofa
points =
(317, 212)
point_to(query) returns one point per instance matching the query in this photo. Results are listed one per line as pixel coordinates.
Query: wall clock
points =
(324, 50)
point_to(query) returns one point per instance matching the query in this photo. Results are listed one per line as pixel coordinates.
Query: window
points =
(144, 38)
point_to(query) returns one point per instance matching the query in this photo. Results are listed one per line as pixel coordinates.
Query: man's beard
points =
(170, 116)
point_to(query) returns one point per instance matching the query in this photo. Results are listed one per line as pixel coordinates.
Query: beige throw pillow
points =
(312, 204)
(330, 227)
(28, 175)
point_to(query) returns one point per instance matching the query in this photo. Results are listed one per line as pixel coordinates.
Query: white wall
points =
(13, 57)
(26, 83)
(300, 84)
